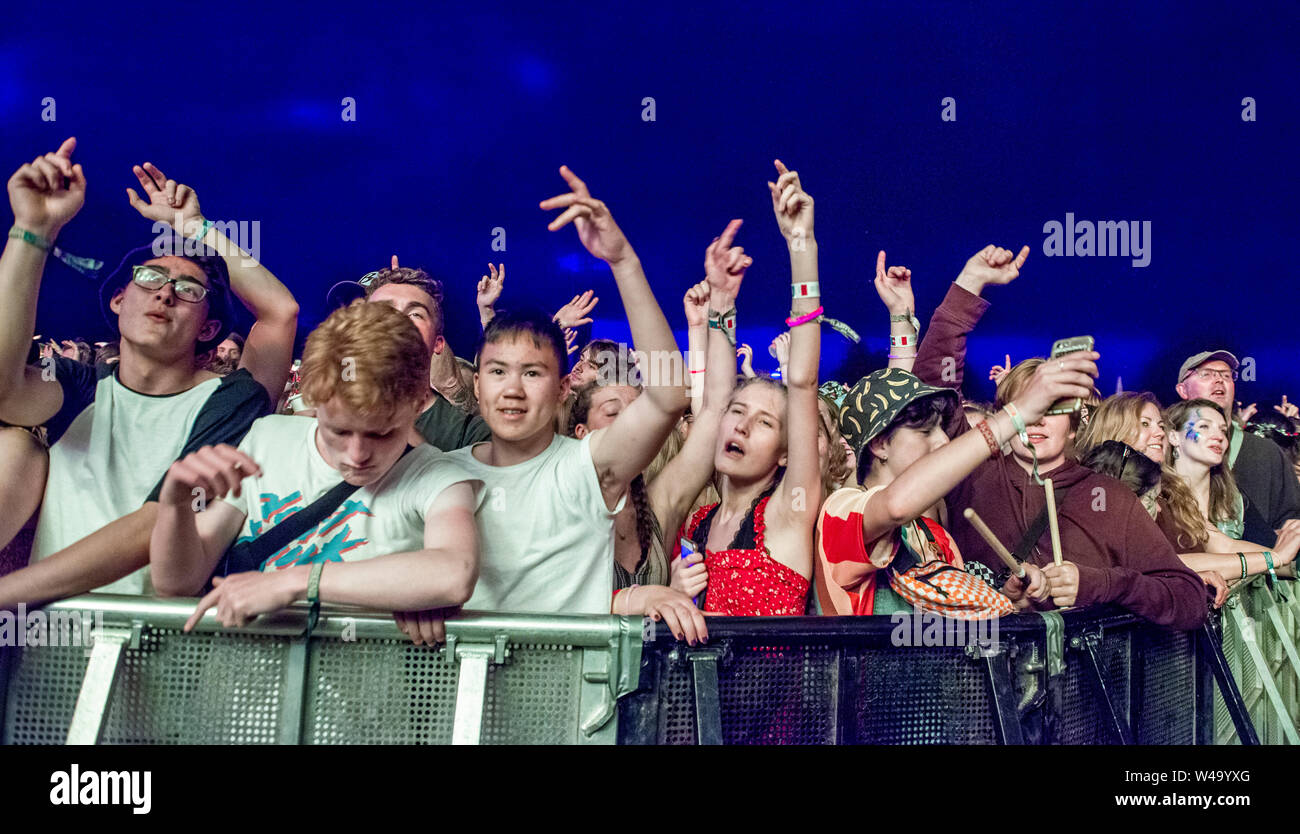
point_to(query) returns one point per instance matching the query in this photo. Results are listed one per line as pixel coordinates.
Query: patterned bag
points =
(923, 577)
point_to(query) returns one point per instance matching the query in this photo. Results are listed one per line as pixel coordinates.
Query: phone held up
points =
(1062, 347)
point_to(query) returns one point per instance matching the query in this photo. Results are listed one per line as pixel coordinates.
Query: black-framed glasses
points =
(153, 278)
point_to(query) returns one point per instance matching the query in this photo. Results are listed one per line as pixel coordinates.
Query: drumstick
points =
(998, 548)
(1051, 521)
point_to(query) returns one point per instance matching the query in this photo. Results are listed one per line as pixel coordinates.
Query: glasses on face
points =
(1207, 374)
(153, 278)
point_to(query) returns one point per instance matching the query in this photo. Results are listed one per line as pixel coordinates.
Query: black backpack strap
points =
(250, 555)
(1035, 531)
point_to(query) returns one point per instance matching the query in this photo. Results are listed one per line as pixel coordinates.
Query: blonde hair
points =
(369, 355)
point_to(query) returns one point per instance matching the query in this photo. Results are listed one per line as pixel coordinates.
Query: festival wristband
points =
(1268, 559)
(1018, 422)
(806, 289)
(203, 230)
(906, 340)
(313, 597)
(804, 319)
(987, 431)
(17, 233)
(726, 322)
(909, 318)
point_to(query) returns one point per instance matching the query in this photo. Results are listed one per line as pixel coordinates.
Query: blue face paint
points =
(1192, 434)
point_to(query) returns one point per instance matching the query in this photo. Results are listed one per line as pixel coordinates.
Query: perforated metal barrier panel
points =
(548, 680)
(558, 680)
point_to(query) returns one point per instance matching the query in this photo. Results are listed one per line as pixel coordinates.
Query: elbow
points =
(802, 379)
(898, 509)
(171, 586)
(462, 584)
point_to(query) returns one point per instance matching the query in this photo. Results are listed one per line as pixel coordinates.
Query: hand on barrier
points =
(213, 470)
(1287, 544)
(241, 597)
(425, 628)
(1065, 583)
(1212, 579)
(689, 575)
(659, 602)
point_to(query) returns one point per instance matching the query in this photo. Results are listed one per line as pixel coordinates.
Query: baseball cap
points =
(1194, 362)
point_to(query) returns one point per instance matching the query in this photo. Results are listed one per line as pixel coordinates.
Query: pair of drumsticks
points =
(1005, 555)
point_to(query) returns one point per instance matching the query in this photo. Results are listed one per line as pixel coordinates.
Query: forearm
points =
(485, 315)
(411, 581)
(20, 278)
(115, 550)
(941, 357)
(697, 340)
(805, 340)
(260, 291)
(179, 563)
(650, 334)
(1173, 598)
(933, 476)
(1228, 565)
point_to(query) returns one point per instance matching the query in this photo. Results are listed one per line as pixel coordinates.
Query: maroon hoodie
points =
(1121, 554)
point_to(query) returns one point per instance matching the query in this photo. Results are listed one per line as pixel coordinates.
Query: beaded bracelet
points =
(986, 430)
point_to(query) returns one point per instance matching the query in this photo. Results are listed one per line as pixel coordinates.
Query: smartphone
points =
(688, 548)
(1060, 348)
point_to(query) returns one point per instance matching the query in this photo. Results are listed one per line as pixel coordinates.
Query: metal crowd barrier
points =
(1075, 677)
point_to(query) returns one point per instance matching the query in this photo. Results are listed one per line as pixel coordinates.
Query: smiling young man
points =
(547, 514)
(1265, 479)
(1113, 551)
(112, 439)
(403, 541)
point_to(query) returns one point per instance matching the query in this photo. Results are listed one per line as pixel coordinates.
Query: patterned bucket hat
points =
(877, 399)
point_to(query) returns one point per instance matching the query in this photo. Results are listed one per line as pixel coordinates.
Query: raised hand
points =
(998, 371)
(48, 192)
(596, 227)
(725, 265)
(793, 207)
(1068, 377)
(570, 341)
(1287, 409)
(168, 200)
(574, 314)
(745, 354)
(780, 348)
(1244, 414)
(894, 287)
(992, 265)
(490, 286)
(696, 304)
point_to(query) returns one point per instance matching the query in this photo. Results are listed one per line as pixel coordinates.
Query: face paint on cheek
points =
(1192, 434)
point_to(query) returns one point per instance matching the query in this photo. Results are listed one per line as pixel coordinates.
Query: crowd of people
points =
(382, 470)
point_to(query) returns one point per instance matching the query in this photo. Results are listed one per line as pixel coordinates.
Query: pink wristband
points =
(804, 319)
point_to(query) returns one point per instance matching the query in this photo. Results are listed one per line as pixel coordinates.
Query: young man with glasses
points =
(112, 440)
(1263, 475)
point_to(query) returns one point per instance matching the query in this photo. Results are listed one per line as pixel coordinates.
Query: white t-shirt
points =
(376, 520)
(547, 537)
(111, 448)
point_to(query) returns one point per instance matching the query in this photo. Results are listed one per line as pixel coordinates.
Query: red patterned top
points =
(749, 582)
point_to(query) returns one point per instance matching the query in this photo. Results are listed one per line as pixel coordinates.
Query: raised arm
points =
(933, 476)
(268, 350)
(621, 451)
(696, 304)
(44, 194)
(794, 216)
(941, 359)
(894, 286)
(673, 491)
(489, 290)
